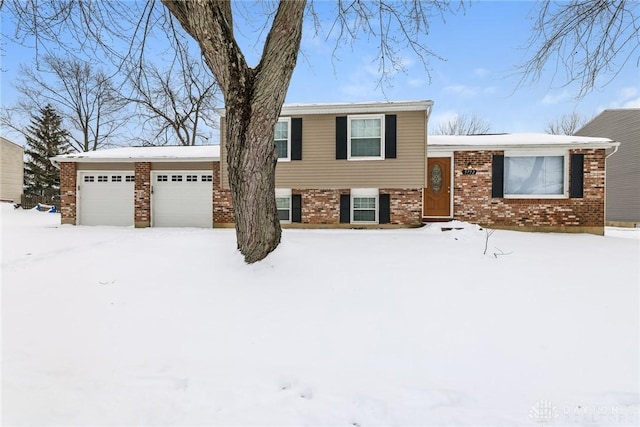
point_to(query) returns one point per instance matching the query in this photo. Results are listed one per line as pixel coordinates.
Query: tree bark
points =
(253, 99)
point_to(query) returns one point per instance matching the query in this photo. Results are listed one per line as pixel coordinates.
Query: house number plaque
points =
(469, 171)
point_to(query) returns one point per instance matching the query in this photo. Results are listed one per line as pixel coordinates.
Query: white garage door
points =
(106, 198)
(182, 199)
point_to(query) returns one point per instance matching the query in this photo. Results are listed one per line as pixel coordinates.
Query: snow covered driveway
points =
(155, 327)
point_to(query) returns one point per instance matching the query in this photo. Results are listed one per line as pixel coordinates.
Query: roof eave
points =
(350, 108)
(507, 147)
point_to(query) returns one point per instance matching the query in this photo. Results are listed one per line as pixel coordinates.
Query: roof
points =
(351, 108)
(196, 153)
(515, 141)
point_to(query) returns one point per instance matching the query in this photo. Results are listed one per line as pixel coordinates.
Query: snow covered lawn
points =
(154, 327)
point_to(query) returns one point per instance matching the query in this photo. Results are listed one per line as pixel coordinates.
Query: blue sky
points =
(482, 48)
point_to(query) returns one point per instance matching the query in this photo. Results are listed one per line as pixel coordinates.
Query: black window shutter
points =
(345, 208)
(296, 139)
(384, 214)
(341, 137)
(576, 189)
(390, 136)
(296, 208)
(497, 176)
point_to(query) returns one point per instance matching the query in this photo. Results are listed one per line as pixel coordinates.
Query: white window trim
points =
(550, 153)
(365, 192)
(365, 116)
(282, 193)
(288, 121)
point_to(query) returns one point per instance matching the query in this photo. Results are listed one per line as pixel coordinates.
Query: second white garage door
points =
(182, 199)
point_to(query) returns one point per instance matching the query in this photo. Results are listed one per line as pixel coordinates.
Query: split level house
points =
(357, 165)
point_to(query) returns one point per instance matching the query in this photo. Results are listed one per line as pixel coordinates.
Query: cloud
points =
(461, 90)
(552, 99)
(628, 92)
(633, 103)
(481, 72)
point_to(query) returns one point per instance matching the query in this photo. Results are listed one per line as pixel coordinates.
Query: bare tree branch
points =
(587, 40)
(568, 124)
(464, 125)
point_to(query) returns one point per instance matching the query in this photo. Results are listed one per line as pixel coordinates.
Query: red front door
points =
(437, 195)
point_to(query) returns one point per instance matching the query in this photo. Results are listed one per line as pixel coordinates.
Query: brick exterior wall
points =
(142, 195)
(322, 207)
(406, 205)
(472, 199)
(222, 202)
(68, 185)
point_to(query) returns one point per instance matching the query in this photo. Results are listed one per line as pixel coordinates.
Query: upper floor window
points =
(282, 139)
(365, 137)
(535, 176)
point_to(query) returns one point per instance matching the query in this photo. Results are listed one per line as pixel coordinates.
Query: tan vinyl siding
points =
(186, 166)
(11, 170)
(319, 168)
(623, 168)
(105, 166)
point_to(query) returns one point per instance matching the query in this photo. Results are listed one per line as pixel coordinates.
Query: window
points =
(176, 178)
(88, 178)
(207, 178)
(283, 203)
(535, 176)
(282, 138)
(364, 206)
(130, 178)
(365, 137)
(103, 178)
(116, 178)
(192, 178)
(162, 178)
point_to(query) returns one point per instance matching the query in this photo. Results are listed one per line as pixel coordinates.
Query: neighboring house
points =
(529, 182)
(623, 169)
(353, 165)
(11, 171)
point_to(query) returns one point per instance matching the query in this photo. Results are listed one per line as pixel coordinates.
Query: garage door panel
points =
(182, 199)
(106, 198)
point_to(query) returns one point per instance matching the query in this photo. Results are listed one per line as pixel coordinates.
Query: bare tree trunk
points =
(253, 99)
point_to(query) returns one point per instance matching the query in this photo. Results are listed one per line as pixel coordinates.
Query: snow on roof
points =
(350, 107)
(513, 140)
(165, 153)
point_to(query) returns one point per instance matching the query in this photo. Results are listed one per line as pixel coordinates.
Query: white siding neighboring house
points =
(11, 170)
(623, 168)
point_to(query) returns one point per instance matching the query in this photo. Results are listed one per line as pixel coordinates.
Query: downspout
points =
(426, 155)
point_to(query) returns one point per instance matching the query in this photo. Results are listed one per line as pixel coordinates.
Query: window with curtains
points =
(282, 139)
(366, 137)
(535, 176)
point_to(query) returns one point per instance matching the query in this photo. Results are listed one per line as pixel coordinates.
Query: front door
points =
(437, 195)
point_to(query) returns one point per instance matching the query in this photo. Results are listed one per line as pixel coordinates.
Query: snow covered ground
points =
(154, 327)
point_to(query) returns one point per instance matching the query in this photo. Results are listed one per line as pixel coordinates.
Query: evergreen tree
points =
(45, 139)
